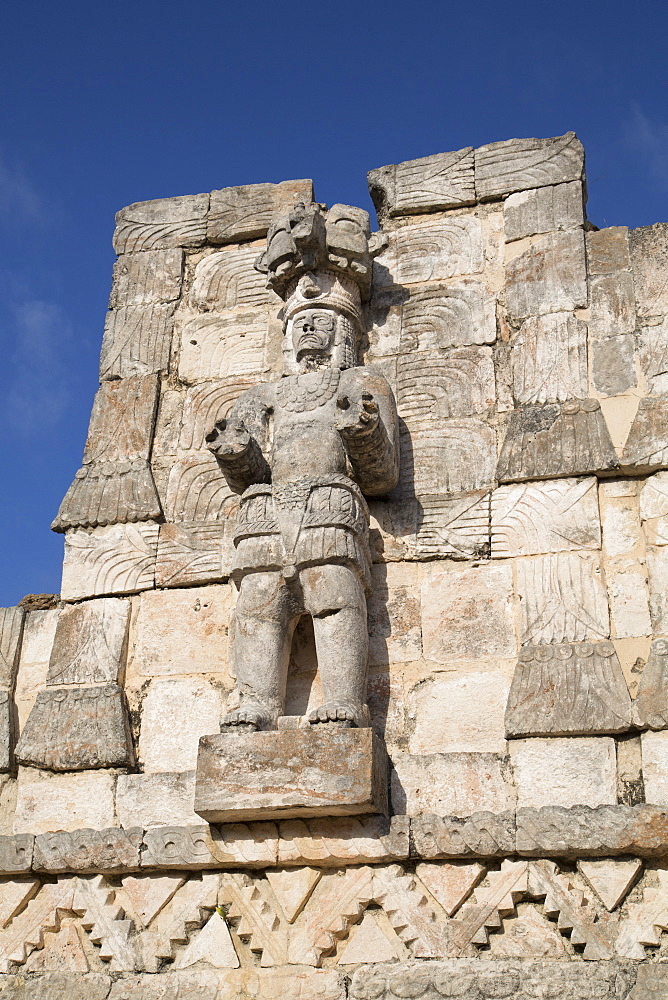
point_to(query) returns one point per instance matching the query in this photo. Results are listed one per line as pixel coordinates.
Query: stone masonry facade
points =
(517, 621)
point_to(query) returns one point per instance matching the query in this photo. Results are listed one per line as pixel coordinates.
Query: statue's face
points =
(313, 336)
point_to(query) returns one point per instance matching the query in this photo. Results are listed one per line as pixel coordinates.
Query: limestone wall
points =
(518, 620)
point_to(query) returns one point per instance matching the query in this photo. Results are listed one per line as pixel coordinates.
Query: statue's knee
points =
(329, 589)
(260, 596)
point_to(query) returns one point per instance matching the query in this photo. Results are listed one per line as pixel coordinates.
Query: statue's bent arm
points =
(237, 441)
(369, 427)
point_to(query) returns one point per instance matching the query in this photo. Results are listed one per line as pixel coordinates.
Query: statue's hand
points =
(356, 417)
(228, 440)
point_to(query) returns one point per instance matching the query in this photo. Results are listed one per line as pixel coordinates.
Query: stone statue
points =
(303, 452)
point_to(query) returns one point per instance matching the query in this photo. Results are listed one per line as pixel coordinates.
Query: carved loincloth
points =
(309, 522)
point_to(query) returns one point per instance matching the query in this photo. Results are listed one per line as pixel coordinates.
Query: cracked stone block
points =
(427, 184)
(521, 164)
(543, 210)
(564, 772)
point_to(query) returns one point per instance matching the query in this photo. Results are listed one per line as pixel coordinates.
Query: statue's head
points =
(319, 261)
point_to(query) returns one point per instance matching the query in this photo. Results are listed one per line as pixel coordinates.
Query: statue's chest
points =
(308, 392)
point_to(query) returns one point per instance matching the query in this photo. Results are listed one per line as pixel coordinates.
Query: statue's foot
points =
(247, 718)
(340, 712)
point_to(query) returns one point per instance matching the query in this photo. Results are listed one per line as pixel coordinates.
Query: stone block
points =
(162, 224)
(88, 851)
(518, 978)
(483, 834)
(612, 307)
(246, 212)
(564, 772)
(646, 447)
(446, 457)
(613, 364)
(581, 830)
(467, 613)
(16, 854)
(443, 384)
(152, 276)
(655, 767)
(137, 339)
(549, 359)
(296, 982)
(38, 634)
(394, 621)
(227, 280)
(290, 773)
(562, 598)
(649, 258)
(432, 251)
(654, 509)
(440, 315)
(550, 276)
(555, 440)
(608, 250)
(115, 482)
(461, 712)
(453, 784)
(651, 984)
(455, 527)
(176, 712)
(522, 164)
(50, 802)
(543, 210)
(657, 567)
(652, 344)
(342, 840)
(57, 985)
(626, 582)
(245, 845)
(118, 559)
(11, 632)
(620, 520)
(89, 644)
(558, 515)
(183, 631)
(651, 704)
(150, 800)
(427, 184)
(571, 689)
(74, 729)
(221, 345)
(196, 490)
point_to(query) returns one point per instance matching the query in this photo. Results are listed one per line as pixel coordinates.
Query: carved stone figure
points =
(303, 452)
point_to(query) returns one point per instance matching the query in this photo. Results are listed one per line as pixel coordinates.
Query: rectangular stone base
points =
(316, 771)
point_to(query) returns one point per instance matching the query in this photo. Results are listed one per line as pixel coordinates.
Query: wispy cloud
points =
(650, 138)
(37, 394)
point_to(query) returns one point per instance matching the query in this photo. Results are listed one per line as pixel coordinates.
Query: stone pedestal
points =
(321, 771)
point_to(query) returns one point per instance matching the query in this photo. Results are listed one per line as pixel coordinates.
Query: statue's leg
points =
(264, 620)
(335, 598)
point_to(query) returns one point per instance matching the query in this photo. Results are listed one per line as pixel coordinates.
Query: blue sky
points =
(103, 104)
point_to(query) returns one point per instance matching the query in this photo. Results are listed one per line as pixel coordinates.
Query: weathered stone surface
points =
(610, 880)
(292, 888)
(564, 772)
(87, 850)
(444, 180)
(646, 447)
(562, 598)
(550, 276)
(190, 553)
(521, 164)
(290, 773)
(556, 439)
(115, 482)
(369, 942)
(394, 614)
(612, 305)
(342, 840)
(202, 406)
(14, 894)
(608, 250)
(442, 384)
(554, 516)
(626, 580)
(542, 210)
(613, 368)
(651, 703)
(196, 491)
(468, 613)
(148, 894)
(176, 712)
(89, 643)
(16, 854)
(62, 952)
(183, 631)
(649, 255)
(447, 457)
(137, 339)
(48, 802)
(453, 784)
(461, 712)
(245, 212)
(549, 359)
(161, 224)
(227, 280)
(655, 767)
(432, 251)
(450, 884)
(459, 527)
(221, 345)
(652, 342)
(595, 832)
(652, 982)
(209, 984)
(11, 631)
(57, 986)
(483, 834)
(657, 566)
(152, 276)
(571, 689)
(212, 945)
(198, 847)
(119, 559)
(73, 729)
(149, 800)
